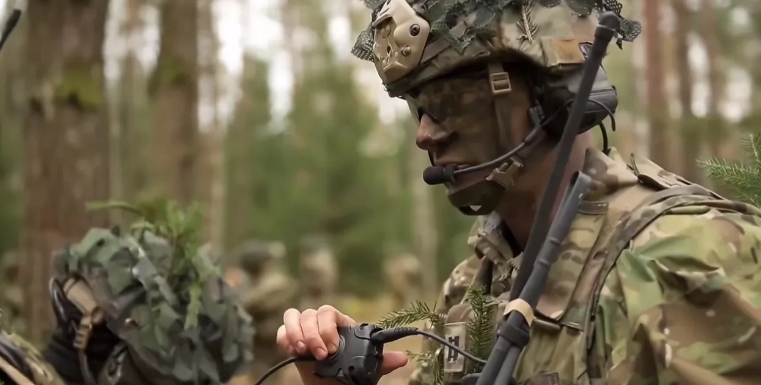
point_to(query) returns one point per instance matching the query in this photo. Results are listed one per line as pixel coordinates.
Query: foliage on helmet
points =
(456, 33)
(166, 300)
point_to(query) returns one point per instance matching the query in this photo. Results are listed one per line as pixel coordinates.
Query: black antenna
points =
(11, 22)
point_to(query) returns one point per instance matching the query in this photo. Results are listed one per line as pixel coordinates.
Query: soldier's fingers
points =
(393, 360)
(341, 318)
(283, 343)
(326, 322)
(292, 323)
(312, 337)
(344, 320)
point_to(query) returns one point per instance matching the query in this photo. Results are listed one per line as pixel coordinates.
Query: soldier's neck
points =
(518, 208)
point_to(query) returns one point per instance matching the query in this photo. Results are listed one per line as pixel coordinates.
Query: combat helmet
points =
(414, 42)
(173, 324)
(253, 254)
(317, 263)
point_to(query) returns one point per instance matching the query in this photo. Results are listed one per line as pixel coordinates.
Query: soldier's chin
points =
(475, 192)
(468, 193)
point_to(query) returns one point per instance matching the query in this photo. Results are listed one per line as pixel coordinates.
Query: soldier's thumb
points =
(393, 360)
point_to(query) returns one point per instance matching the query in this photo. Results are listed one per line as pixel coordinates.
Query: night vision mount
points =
(359, 356)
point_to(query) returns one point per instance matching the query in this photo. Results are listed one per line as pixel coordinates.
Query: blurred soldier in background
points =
(319, 273)
(11, 299)
(404, 277)
(266, 292)
(209, 252)
(122, 317)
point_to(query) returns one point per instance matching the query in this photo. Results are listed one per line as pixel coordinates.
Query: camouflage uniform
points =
(266, 292)
(404, 276)
(664, 267)
(120, 322)
(319, 274)
(22, 364)
(658, 280)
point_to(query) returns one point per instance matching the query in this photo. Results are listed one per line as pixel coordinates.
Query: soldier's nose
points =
(430, 135)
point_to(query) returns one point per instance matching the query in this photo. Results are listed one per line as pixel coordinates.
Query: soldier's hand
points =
(315, 331)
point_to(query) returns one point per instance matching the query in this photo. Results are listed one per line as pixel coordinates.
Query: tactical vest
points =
(563, 349)
(22, 364)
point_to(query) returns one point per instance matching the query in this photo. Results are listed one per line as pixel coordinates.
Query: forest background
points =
(292, 135)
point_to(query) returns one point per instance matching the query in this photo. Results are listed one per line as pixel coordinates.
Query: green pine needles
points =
(481, 330)
(483, 325)
(418, 311)
(744, 179)
(188, 271)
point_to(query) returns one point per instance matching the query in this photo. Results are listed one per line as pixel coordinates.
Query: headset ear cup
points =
(559, 92)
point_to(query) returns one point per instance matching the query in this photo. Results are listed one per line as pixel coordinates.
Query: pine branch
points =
(527, 27)
(437, 367)
(482, 326)
(418, 311)
(188, 271)
(752, 147)
(744, 180)
(421, 358)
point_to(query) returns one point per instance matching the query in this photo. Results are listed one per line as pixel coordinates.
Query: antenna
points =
(12, 21)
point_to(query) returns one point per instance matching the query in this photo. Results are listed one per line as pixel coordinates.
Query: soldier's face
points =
(458, 123)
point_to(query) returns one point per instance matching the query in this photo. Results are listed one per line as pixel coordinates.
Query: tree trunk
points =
(716, 128)
(424, 226)
(657, 100)
(13, 104)
(215, 188)
(292, 23)
(174, 87)
(245, 137)
(692, 132)
(132, 141)
(66, 140)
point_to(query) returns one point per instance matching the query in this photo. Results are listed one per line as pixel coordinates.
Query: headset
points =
(553, 96)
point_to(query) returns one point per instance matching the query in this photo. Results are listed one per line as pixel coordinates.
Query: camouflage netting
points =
(443, 15)
(193, 341)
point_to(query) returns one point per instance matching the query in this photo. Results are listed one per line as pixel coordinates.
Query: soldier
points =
(404, 276)
(266, 291)
(319, 273)
(658, 281)
(122, 317)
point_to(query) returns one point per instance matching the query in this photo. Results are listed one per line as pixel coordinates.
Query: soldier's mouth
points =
(457, 166)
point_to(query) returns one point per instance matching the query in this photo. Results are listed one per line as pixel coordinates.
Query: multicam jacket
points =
(22, 364)
(658, 282)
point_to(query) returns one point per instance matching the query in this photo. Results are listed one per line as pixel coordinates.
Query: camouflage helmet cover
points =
(123, 281)
(314, 243)
(414, 41)
(254, 253)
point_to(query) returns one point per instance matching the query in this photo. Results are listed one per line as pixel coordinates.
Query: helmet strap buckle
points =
(499, 79)
(505, 174)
